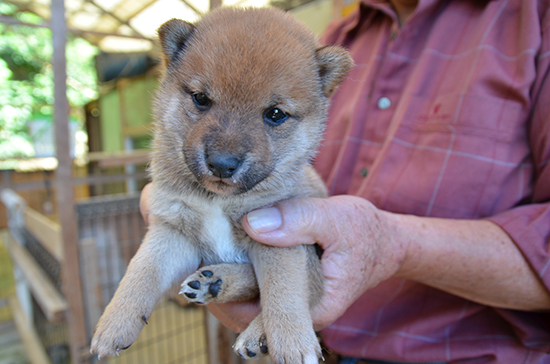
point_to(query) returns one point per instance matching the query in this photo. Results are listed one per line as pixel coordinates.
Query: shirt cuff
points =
(529, 228)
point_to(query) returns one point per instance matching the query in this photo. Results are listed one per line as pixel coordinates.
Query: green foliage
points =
(26, 79)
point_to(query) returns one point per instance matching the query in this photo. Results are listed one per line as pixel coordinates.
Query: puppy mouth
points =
(226, 178)
(224, 186)
(237, 184)
(223, 182)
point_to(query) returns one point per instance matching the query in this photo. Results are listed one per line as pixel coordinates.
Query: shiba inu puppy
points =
(240, 114)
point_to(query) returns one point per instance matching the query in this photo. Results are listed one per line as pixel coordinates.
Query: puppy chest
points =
(218, 239)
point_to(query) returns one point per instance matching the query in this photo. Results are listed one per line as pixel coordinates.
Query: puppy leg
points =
(285, 286)
(221, 283)
(163, 257)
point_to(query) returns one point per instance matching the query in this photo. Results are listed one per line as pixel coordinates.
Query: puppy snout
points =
(223, 165)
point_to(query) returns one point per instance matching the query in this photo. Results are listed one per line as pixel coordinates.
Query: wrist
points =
(403, 241)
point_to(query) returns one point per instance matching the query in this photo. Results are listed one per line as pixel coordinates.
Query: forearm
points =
(474, 259)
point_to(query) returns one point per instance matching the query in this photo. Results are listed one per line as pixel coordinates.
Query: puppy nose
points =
(223, 165)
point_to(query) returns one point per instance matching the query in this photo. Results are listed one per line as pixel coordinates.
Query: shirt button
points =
(364, 172)
(384, 103)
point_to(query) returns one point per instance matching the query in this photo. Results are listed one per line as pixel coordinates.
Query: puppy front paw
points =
(202, 287)
(116, 332)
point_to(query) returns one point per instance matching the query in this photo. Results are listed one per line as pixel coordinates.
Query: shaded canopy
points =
(127, 25)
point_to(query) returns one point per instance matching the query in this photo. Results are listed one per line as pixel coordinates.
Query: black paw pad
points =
(190, 295)
(194, 284)
(207, 273)
(214, 288)
(250, 354)
(126, 347)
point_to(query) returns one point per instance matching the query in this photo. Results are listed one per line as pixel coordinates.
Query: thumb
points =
(288, 223)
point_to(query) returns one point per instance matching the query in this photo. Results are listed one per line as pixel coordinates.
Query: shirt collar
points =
(367, 6)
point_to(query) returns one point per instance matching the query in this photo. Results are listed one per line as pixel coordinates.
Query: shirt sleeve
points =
(529, 224)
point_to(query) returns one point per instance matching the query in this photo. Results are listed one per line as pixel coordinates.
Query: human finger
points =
(144, 202)
(235, 315)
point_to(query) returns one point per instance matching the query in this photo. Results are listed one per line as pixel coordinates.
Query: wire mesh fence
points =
(111, 230)
(53, 336)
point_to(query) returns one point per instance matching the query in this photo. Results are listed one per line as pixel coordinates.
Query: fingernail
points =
(265, 220)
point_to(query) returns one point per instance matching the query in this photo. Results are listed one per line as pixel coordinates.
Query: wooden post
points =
(72, 286)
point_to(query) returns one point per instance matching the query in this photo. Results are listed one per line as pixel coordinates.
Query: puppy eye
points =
(202, 102)
(275, 116)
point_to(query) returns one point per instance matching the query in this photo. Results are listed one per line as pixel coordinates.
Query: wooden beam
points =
(117, 159)
(137, 130)
(12, 21)
(72, 285)
(35, 350)
(46, 231)
(89, 180)
(97, 180)
(111, 14)
(48, 297)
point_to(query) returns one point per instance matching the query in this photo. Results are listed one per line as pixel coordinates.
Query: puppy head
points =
(243, 100)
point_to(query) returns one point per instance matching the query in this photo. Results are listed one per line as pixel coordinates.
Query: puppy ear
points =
(173, 36)
(334, 63)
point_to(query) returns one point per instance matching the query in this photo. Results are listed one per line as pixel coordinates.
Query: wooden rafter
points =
(121, 21)
(6, 19)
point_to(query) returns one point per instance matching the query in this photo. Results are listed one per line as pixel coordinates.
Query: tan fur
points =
(212, 164)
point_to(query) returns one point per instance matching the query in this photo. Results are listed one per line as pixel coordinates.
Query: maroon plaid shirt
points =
(448, 117)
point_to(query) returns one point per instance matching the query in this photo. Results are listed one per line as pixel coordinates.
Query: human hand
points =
(357, 239)
(359, 250)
